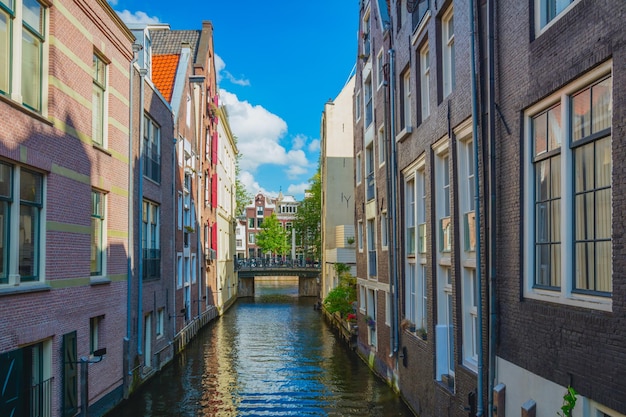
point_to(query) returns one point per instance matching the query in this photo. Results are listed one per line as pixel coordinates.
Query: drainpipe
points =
(479, 302)
(492, 201)
(142, 75)
(393, 282)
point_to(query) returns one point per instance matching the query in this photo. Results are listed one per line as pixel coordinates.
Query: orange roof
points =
(164, 72)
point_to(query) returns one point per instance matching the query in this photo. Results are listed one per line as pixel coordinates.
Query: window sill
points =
(24, 289)
(573, 300)
(99, 280)
(101, 149)
(404, 133)
(25, 110)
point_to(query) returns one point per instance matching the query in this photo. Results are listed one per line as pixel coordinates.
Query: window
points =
(25, 39)
(409, 192)
(357, 105)
(251, 238)
(98, 248)
(22, 220)
(98, 100)
(420, 7)
(570, 216)
(180, 211)
(425, 80)
(384, 236)
(95, 334)
(362, 299)
(467, 188)
(179, 270)
(382, 149)
(369, 170)
(420, 178)
(360, 235)
(259, 222)
(371, 310)
(405, 105)
(548, 10)
(470, 318)
(259, 211)
(445, 325)
(388, 308)
(369, 111)
(443, 201)
(151, 149)
(371, 247)
(447, 27)
(366, 34)
(160, 320)
(380, 69)
(150, 241)
(358, 168)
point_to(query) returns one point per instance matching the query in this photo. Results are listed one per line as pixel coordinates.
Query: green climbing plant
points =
(569, 402)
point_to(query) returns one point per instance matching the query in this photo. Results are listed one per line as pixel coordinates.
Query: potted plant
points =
(407, 324)
(350, 240)
(422, 333)
(370, 322)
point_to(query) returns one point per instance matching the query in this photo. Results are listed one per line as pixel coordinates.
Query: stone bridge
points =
(308, 278)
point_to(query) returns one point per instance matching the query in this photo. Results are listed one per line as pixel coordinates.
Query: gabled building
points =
(183, 70)
(560, 277)
(261, 207)
(227, 282)
(337, 182)
(64, 181)
(418, 265)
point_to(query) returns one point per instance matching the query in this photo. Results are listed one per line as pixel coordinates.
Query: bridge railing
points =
(274, 263)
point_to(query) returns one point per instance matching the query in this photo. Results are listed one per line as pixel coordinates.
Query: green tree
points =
(341, 298)
(308, 219)
(272, 237)
(242, 196)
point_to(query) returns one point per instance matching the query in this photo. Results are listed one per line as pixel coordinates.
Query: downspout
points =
(475, 115)
(492, 200)
(142, 75)
(136, 48)
(130, 250)
(392, 203)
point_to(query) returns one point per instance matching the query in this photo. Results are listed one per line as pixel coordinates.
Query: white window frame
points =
(96, 333)
(17, 25)
(358, 167)
(100, 86)
(542, 21)
(380, 69)
(362, 299)
(384, 230)
(372, 250)
(470, 318)
(564, 294)
(357, 105)
(368, 101)
(179, 270)
(382, 149)
(425, 80)
(360, 236)
(160, 320)
(467, 189)
(448, 58)
(100, 218)
(406, 100)
(444, 342)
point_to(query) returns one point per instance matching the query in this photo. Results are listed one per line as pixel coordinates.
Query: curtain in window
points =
(31, 70)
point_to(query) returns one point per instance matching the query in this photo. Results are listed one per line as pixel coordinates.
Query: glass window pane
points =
(581, 115)
(98, 114)
(33, 15)
(96, 246)
(584, 168)
(542, 176)
(540, 133)
(555, 176)
(30, 187)
(602, 105)
(604, 256)
(4, 242)
(5, 180)
(584, 217)
(31, 70)
(555, 221)
(29, 221)
(603, 214)
(554, 128)
(5, 51)
(604, 162)
(584, 258)
(555, 265)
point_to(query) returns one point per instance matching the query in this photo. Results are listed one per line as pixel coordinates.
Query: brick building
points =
(560, 277)
(64, 169)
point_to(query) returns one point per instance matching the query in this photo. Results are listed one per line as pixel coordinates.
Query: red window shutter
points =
(214, 190)
(214, 237)
(214, 149)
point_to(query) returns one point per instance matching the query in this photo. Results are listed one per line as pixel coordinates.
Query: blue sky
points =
(278, 63)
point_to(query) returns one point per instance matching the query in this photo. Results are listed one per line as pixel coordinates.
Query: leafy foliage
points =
(308, 219)
(242, 196)
(569, 402)
(341, 298)
(272, 237)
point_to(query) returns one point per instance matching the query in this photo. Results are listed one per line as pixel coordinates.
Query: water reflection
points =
(268, 356)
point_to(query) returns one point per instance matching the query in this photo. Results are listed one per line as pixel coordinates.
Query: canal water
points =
(273, 355)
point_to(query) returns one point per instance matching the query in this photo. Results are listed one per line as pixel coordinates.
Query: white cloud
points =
(314, 146)
(252, 186)
(298, 189)
(258, 133)
(298, 142)
(221, 73)
(137, 17)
